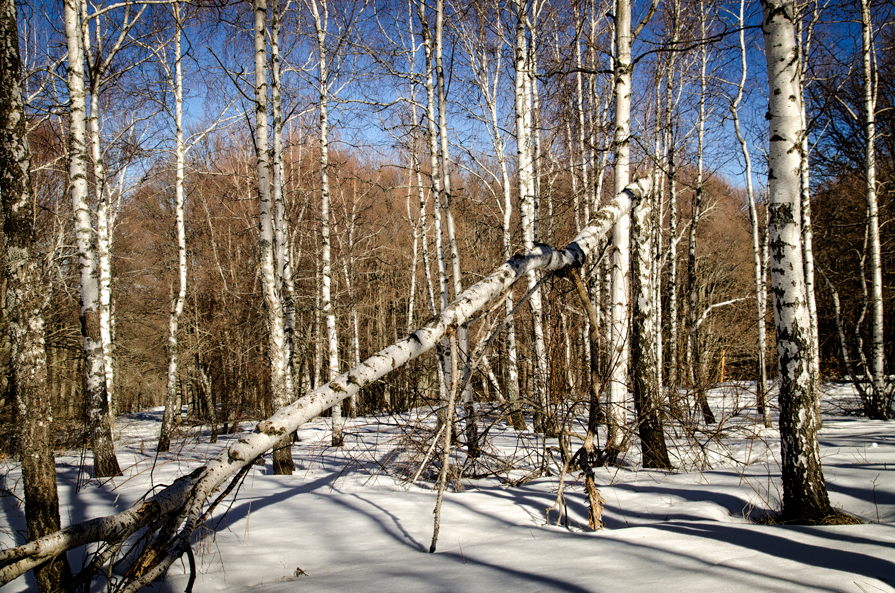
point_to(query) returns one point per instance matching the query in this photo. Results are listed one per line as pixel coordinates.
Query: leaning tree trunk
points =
(25, 302)
(176, 512)
(804, 489)
(105, 463)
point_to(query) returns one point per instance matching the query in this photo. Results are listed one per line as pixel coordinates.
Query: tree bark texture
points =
(880, 407)
(105, 463)
(25, 302)
(647, 389)
(164, 441)
(280, 378)
(621, 232)
(804, 489)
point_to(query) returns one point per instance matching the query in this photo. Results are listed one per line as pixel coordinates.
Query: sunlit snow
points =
(347, 520)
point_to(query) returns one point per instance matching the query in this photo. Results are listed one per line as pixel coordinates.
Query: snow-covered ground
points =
(347, 520)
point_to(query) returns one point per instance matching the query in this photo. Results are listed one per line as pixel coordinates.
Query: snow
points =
(348, 521)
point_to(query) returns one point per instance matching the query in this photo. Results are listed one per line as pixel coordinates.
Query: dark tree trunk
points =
(25, 302)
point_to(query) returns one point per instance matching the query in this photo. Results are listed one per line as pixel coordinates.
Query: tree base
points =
(834, 518)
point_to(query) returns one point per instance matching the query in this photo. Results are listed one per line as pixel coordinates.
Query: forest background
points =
(175, 176)
(376, 114)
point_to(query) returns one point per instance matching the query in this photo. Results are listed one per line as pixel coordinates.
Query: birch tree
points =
(803, 46)
(804, 489)
(757, 259)
(435, 173)
(879, 402)
(621, 232)
(104, 461)
(694, 353)
(320, 12)
(164, 441)
(26, 300)
(647, 388)
(282, 231)
(486, 73)
(670, 161)
(174, 79)
(172, 514)
(282, 389)
(527, 210)
(446, 204)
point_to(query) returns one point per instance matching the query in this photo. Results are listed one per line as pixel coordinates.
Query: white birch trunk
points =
(281, 222)
(462, 352)
(444, 350)
(804, 489)
(321, 21)
(671, 164)
(803, 49)
(646, 388)
(694, 353)
(104, 461)
(528, 196)
(757, 260)
(880, 407)
(164, 442)
(280, 383)
(621, 233)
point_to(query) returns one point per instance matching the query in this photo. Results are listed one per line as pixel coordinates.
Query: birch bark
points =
(164, 442)
(621, 233)
(804, 489)
(694, 353)
(757, 259)
(282, 232)
(544, 421)
(647, 389)
(105, 463)
(280, 384)
(444, 350)
(879, 407)
(26, 300)
(178, 509)
(321, 23)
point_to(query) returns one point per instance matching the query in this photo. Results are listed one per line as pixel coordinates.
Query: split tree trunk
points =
(177, 511)
(281, 389)
(105, 463)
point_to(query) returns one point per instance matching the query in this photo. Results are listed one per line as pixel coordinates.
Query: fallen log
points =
(172, 515)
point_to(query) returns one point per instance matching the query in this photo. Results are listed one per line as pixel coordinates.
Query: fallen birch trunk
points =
(175, 512)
